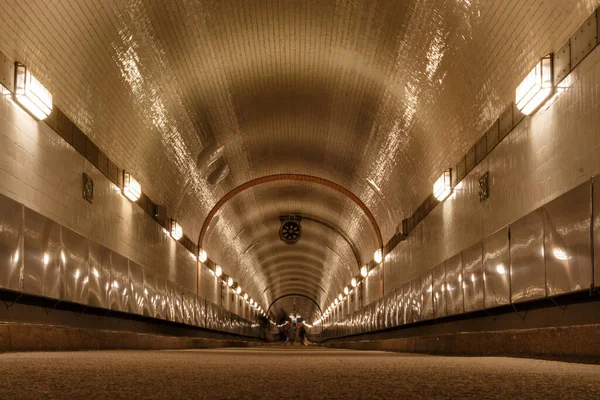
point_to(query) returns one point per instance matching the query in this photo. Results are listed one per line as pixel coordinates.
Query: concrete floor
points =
(293, 372)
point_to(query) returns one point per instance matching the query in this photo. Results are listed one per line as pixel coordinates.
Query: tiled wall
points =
(543, 157)
(43, 172)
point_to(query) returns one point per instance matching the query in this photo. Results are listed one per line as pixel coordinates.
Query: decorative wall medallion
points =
(484, 188)
(88, 188)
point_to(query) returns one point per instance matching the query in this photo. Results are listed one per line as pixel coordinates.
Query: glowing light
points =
(536, 88)
(16, 257)
(500, 269)
(115, 284)
(245, 296)
(560, 254)
(218, 271)
(62, 257)
(46, 259)
(131, 188)
(202, 255)
(364, 271)
(251, 301)
(146, 291)
(473, 278)
(443, 186)
(77, 274)
(238, 290)
(353, 282)
(95, 272)
(340, 297)
(378, 256)
(230, 281)
(346, 291)
(336, 302)
(31, 94)
(176, 231)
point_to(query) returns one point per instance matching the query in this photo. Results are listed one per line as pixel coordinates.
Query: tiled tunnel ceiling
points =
(377, 96)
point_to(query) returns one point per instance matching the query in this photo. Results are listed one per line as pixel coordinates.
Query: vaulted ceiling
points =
(376, 96)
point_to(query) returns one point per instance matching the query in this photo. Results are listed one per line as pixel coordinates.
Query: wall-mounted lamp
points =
(176, 231)
(443, 186)
(336, 302)
(218, 271)
(353, 282)
(131, 188)
(537, 87)
(346, 291)
(202, 255)
(31, 94)
(378, 256)
(238, 290)
(230, 281)
(364, 271)
(245, 296)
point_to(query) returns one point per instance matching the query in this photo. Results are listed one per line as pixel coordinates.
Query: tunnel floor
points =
(293, 372)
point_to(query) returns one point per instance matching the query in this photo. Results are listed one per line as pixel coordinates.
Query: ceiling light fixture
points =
(218, 271)
(378, 256)
(176, 231)
(31, 94)
(230, 281)
(131, 188)
(202, 255)
(443, 186)
(364, 271)
(536, 88)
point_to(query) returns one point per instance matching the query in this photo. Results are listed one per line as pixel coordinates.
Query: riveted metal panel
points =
(439, 290)
(151, 299)
(527, 267)
(41, 264)
(74, 255)
(381, 312)
(427, 295)
(567, 241)
(11, 244)
(562, 63)
(492, 136)
(119, 288)
(473, 278)
(99, 276)
(162, 297)
(416, 301)
(496, 265)
(583, 40)
(454, 291)
(135, 304)
(505, 122)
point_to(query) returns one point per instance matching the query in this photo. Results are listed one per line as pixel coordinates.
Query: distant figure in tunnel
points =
(291, 333)
(302, 334)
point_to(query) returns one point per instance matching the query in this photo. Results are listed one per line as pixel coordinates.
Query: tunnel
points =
(299, 199)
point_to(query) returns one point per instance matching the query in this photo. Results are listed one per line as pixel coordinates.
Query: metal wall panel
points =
(11, 244)
(189, 307)
(162, 297)
(135, 305)
(426, 295)
(200, 312)
(496, 265)
(454, 291)
(390, 313)
(150, 294)
(381, 312)
(176, 292)
(473, 278)
(439, 290)
(399, 300)
(99, 276)
(567, 241)
(415, 298)
(407, 304)
(42, 266)
(119, 287)
(527, 267)
(74, 255)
